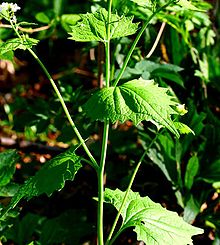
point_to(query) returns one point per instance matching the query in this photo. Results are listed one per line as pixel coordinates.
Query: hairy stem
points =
(93, 162)
(104, 139)
(82, 142)
(101, 183)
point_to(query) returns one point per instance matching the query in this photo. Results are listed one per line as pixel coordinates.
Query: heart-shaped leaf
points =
(136, 100)
(153, 224)
(93, 27)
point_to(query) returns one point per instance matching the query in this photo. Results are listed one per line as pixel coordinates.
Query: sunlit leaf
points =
(153, 224)
(187, 5)
(143, 3)
(17, 43)
(183, 128)
(136, 100)
(93, 27)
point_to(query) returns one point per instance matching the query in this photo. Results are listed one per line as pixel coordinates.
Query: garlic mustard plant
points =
(136, 100)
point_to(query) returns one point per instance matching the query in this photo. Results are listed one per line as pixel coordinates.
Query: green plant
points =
(136, 100)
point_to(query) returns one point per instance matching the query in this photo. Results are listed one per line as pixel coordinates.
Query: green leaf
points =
(9, 190)
(93, 27)
(50, 177)
(149, 69)
(23, 229)
(183, 128)
(136, 100)
(7, 56)
(68, 20)
(191, 210)
(187, 5)
(153, 224)
(191, 171)
(8, 159)
(42, 17)
(211, 172)
(143, 3)
(17, 43)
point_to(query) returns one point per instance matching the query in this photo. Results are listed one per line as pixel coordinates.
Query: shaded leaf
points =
(8, 159)
(67, 228)
(22, 230)
(136, 100)
(93, 27)
(191, 171)
(191, 210)
(153, 224)
(50, 177)
(149, 69)
(211, 172)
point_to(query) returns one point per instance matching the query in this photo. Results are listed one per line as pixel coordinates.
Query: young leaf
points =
(183, 128)
(93, 27)
(153, 223)
(50, 177)
(68, 20)
(8, 159)
(136, 100)
(17, 43)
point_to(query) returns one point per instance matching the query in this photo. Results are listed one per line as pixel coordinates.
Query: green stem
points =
(82, 142)
(110, 240)
(136, 41)
(101, 183)
(93, 162)
(104, 139)
(107, 46)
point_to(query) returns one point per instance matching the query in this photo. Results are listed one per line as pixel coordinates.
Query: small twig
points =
(74, 70)
(157, 40)
(29, 146)
(26, 29)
